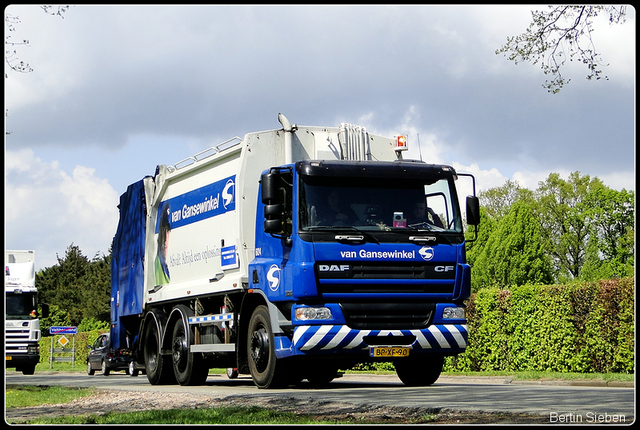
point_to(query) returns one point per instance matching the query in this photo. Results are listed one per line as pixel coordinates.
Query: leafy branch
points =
(11, 51)
(561, 34)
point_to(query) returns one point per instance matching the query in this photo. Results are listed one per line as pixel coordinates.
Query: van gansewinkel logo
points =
(227, 193)
(427, 253)
(273, 277)
(202, 203)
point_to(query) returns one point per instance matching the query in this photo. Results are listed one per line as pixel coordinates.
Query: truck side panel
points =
(194, 234)
(127, 263)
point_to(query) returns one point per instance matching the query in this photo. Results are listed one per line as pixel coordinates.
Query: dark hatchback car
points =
(101, 357)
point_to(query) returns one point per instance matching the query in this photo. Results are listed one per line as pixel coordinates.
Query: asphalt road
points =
(561, 403)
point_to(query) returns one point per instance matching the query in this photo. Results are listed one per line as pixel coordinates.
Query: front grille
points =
(396, 271)
(399, 277)
(387, 316)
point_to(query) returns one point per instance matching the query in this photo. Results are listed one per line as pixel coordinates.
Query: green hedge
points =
(582, 327)
(81, 342)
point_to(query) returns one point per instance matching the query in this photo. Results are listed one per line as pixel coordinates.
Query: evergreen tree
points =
(77, 287)
(514, 253)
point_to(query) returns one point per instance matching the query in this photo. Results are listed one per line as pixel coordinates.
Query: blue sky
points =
(116, 90)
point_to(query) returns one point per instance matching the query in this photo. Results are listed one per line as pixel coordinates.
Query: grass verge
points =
(28, 395)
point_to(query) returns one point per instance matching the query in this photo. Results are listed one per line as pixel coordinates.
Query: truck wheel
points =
(263, 364)
(104, 369)
(29, 370)
(322, 375)
(158, 369)
(189, 368)
(90, 371)
(419, 372)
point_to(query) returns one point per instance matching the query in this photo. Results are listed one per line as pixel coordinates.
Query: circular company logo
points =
(273, 277)
(227, 193)
(427, 253)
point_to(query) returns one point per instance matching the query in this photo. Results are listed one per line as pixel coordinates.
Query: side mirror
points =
(473, 210)
(272, 205)
(45, 310)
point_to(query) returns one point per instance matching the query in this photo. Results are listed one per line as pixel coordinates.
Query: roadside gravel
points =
(108, 401)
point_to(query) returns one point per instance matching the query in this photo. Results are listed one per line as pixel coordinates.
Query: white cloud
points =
(46, 207)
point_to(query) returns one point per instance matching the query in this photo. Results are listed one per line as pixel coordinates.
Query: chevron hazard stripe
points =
(341, 337)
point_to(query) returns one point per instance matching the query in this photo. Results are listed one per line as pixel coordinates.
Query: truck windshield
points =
(21, 306)
(379, 204)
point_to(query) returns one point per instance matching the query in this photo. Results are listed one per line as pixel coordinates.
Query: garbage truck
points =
(22, 326)
(290, 254)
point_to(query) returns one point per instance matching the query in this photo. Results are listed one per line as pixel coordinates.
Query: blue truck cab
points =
(367, 259)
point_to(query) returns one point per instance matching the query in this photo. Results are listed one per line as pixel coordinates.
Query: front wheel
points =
(29, 370)
(90, 370)
(263, 364)
(419, 372)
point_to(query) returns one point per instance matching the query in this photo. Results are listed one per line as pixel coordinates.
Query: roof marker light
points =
(401, 143)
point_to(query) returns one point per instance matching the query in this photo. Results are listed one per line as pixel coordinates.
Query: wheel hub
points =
(180, 351)
(260, 348)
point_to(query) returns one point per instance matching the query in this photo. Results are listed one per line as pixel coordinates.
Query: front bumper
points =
(447, 339)
(20, 360)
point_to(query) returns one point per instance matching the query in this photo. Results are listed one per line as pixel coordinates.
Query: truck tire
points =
(188, 368)
(158, 369)
(322, 375)
(419, 372)
(263, 364)
(29, 370)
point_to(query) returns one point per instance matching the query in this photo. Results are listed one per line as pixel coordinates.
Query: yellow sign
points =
(63, 341)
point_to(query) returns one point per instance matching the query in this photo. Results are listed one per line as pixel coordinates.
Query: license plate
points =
(8, 357)
(389, 351)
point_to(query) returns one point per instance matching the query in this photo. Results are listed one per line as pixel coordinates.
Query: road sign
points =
(63, 330)
(63, 341)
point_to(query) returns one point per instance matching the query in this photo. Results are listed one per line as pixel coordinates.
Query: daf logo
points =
(427, 253)
(273, 277)
(333, 268)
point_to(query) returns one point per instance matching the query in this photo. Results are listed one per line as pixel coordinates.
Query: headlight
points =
(451, 313)
(304, 314)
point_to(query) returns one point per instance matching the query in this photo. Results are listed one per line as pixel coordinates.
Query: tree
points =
(611, 248)
(498, 200)
(514, 253)
(586, 231)
(564, 32)
(79, 288)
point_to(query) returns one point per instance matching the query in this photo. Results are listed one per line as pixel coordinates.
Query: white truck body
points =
(215, 192)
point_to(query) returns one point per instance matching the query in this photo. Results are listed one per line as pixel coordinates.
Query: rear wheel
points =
(157, 368)
(188, 367)
(104, 369)
(419, 372)
(264, 367)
